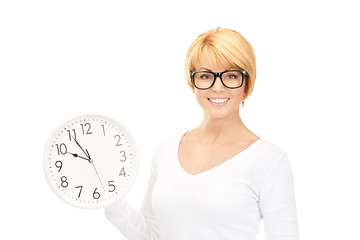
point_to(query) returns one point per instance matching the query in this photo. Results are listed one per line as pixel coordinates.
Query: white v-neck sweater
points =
(226, 202)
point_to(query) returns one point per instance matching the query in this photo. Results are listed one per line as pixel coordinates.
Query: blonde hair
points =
(224, 47)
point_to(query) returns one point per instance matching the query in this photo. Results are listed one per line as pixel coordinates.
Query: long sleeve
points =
(277, 203)
(133, 224)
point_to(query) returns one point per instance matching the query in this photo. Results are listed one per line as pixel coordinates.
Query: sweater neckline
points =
(217, 167)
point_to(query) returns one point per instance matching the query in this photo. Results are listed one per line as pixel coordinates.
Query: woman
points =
(218, 180)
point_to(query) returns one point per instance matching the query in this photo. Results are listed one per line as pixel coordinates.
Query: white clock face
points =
(91, 161)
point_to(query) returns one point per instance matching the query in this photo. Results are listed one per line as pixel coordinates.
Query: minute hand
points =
(86, 153)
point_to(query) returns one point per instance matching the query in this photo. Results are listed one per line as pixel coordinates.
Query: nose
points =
(218, 86)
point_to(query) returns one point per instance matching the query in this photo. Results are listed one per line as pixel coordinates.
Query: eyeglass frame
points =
(218, 74)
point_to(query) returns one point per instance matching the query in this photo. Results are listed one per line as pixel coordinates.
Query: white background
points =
(60, 59)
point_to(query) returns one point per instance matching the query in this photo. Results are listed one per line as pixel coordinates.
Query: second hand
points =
(92, 162)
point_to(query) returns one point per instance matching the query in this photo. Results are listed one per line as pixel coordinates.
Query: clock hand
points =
(92, 162)
(75, 155)
(86, 153)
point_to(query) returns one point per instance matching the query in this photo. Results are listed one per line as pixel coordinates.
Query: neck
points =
(221, 130)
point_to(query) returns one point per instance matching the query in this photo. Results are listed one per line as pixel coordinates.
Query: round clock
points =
(90, 161)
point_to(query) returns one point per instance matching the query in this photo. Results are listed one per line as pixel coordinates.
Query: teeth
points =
(218, 100)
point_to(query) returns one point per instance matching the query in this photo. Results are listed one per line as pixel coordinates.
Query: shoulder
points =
(165, 146)
(268, 150)
(265, 160)
(266, 156)
(275, 155)
(166, 141)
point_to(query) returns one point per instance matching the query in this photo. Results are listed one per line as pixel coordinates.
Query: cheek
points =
(238, 93)
(198, 92)
(200, 96)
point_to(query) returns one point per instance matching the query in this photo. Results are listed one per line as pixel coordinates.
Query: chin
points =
(221, 112)
(218, 114)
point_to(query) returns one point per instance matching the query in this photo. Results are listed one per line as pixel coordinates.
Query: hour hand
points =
(76, 155)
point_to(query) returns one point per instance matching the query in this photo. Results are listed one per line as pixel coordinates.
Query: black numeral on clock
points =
(96, 195)
(112, 186)
(103, 127)
(64, 182)
(81, 187)
(62, 149)
(118, 144)
(123, 156)
(122, 173)
(88, 126)
(59, 165)
(71, 136)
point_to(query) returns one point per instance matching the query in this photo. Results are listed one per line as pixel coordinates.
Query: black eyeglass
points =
(205, 79)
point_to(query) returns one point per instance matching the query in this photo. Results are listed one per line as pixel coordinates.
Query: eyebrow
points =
(206, 69)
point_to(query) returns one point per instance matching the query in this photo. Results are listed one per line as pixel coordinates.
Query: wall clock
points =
(90, 161)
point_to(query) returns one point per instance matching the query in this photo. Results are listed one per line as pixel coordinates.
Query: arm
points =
(277, 203)
(136, 225)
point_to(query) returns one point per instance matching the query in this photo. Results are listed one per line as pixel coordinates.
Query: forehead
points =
(211, 60)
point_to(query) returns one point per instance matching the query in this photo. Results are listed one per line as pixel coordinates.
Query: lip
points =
(218, 104)
(218, 98)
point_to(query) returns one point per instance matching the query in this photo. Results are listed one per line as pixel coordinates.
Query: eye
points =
(205, 76)
(232, 76)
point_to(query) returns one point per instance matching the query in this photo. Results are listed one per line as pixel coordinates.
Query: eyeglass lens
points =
(231, 79)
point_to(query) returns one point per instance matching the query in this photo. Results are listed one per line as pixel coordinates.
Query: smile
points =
(218, 101)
